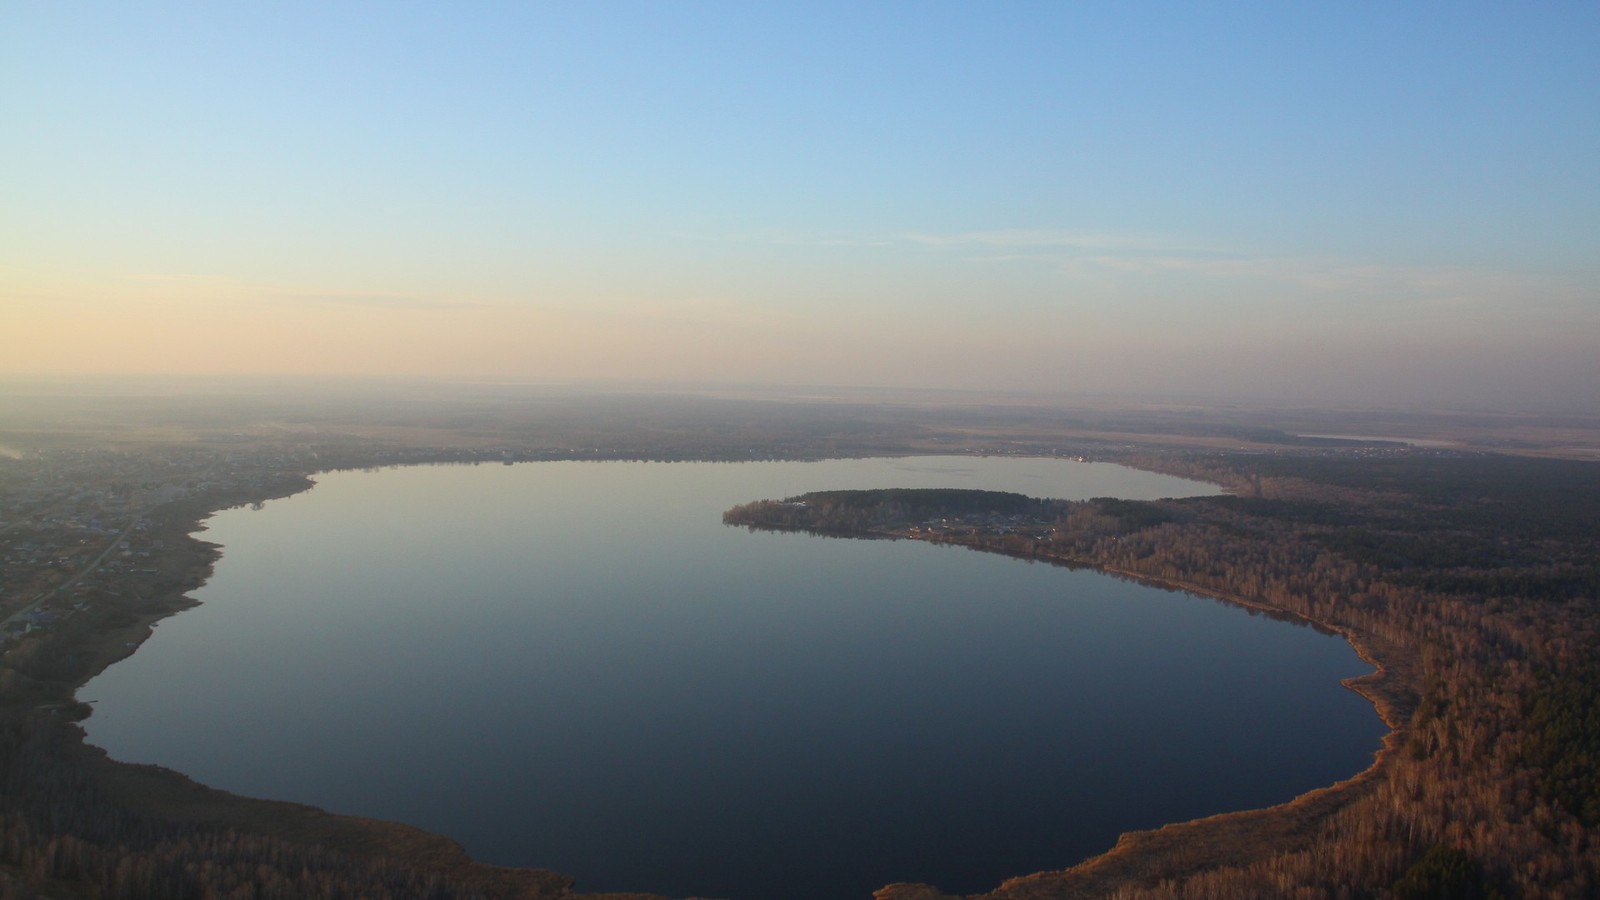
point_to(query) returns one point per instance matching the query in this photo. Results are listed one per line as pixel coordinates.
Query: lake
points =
(577, 666)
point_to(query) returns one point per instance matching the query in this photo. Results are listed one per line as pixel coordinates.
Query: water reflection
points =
(577, 666)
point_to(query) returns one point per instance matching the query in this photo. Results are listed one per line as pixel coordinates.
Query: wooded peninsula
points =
(1470, 582)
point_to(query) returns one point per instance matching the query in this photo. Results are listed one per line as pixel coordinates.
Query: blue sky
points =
(1349, 203)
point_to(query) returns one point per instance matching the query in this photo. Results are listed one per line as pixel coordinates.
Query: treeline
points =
(841, 512)
(1486, 603)
(1473, 581)
(62, 835)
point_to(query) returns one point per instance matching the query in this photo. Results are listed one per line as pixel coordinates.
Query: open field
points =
(722, 421)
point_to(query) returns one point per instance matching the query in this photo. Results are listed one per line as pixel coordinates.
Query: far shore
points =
(1174, 850)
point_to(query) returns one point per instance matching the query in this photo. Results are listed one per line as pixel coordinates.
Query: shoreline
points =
(1177, 849)
(167, 794)
(1170, 850)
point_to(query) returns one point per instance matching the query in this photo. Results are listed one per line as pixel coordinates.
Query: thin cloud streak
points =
(381, 301)
(1033, 239)
(230, 288)
(1463, 289)
(781, 240)
(1093, 255)
(170, 277)
(1016, 239)
(1348, 278)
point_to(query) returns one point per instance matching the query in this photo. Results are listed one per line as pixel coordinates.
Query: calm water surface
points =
(577, 666)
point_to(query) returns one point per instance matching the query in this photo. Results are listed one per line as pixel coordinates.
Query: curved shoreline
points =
(1234, 837)
(1138, 856)
(165, 793)
(1182, 848)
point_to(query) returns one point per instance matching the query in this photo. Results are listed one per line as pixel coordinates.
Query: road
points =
(79, 576)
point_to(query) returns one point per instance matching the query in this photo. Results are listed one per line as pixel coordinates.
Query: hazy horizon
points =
(1348, 205)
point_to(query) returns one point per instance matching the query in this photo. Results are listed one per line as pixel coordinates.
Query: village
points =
(77, 527)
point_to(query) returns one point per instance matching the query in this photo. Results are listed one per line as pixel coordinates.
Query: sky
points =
(1392, 204)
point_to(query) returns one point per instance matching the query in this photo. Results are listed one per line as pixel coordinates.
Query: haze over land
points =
(1353, 205)
(1337, 261)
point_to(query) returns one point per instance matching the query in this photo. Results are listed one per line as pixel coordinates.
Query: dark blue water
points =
(577, 666)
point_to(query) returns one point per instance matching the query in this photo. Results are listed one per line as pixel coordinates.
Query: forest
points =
(1469, 579)
(854, 512)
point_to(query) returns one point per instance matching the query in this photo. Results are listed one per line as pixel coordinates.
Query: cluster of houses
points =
(988, 523)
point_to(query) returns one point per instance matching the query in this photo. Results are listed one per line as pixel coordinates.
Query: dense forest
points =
(856, 512)
(1472, 581)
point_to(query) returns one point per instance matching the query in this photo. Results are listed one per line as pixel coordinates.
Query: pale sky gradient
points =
(1338, 203)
